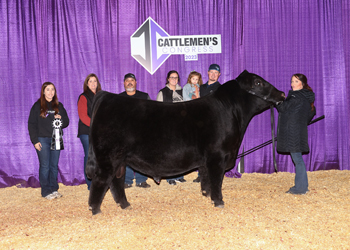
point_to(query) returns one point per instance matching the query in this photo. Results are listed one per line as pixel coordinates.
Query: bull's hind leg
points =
(118, 192)
(98, 190)
(205, 183)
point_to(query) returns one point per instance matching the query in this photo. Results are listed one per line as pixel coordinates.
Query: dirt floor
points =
(258, 214)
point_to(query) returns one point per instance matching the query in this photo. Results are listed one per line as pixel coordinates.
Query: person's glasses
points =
(173, 78)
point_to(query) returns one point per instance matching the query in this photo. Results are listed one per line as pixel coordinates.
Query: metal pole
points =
(270, 141)
(273, 137)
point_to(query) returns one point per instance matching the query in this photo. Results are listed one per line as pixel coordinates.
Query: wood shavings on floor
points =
(258, 214)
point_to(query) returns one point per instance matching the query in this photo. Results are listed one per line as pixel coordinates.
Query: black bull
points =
(167, 139)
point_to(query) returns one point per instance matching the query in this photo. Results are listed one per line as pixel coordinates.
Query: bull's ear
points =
(243, 75)
(245, 72)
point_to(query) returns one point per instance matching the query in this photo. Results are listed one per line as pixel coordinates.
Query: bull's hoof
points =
(219, 204)
(124, 205)
(96, 211)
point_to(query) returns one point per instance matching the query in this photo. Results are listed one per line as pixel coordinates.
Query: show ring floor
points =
(258, 214)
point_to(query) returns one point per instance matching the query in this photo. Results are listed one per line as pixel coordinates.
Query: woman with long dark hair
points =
(91, 87)
(40, 126)
(292, 136)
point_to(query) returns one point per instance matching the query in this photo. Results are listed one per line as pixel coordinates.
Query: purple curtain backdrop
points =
(64, 41)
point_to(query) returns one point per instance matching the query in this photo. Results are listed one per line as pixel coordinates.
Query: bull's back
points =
(129, 120)
(149, 133)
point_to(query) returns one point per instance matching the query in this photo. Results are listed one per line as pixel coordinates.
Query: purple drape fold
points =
(64, 41)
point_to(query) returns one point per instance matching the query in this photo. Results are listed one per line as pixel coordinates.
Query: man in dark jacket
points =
(292, 136)
(212, 84)
(130, 90)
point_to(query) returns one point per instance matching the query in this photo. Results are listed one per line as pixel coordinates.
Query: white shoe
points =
(50, 196)
(57, 194)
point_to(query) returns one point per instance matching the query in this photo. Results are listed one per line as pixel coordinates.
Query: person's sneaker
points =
(198, 179)
(180, 180)
(50, 196)
(126, 185)
(57, 194)
(172, 182)
(143, 185)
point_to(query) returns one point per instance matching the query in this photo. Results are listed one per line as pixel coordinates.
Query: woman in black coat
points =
(292, 137)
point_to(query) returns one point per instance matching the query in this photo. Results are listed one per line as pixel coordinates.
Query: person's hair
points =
(43, 102)
(87, 80)
(195, 73)
(169, 73)
(303, 80)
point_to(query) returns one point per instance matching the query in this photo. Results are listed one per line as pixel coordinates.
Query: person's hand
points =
(38, 146)
(57, 116)
(196, 91)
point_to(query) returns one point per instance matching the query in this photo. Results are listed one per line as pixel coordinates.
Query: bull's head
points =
(259, 87)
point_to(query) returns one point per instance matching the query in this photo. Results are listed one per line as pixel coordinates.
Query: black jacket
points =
(82, 128)
(294, 115)
(206, 89)
(168, 94)
(138, 95)
(42, 127)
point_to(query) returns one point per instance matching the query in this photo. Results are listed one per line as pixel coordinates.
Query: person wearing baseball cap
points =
(129, 75)
(212, 84)
(130, 91)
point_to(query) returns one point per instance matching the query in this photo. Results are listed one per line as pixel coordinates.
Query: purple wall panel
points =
(64, 41)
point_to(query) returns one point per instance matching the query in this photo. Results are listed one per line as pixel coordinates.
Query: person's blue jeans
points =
(174, 179)
(130, 175)
(85, 141)
(48, 169)
(301, 181)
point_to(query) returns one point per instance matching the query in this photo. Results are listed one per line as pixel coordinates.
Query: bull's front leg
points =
(216, 190)
(216, 175)
(118, 192)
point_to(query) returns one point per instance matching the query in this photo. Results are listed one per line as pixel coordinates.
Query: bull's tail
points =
(91, 163)
(99, 97)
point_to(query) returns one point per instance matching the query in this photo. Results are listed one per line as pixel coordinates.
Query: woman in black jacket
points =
(40, 127)
(292, 137)
(91, 87)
